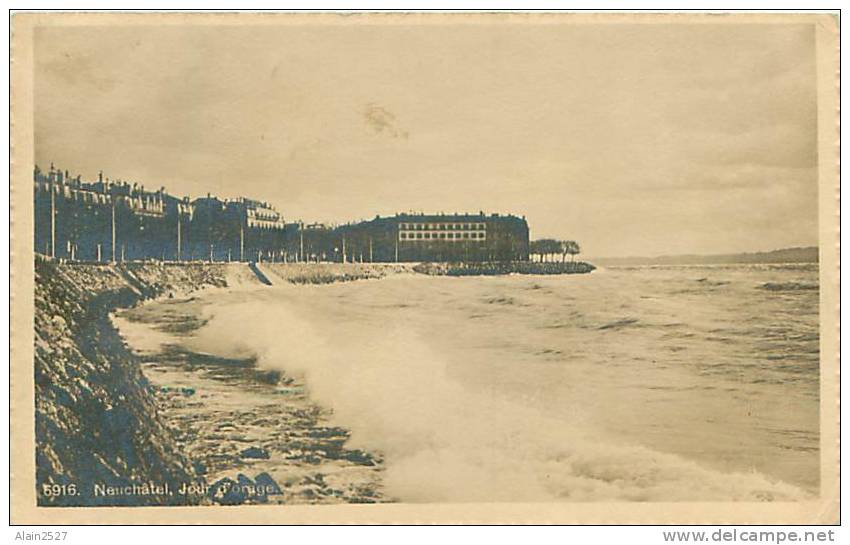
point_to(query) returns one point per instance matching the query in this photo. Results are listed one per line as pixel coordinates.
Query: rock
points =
(310, 493)
(96, 416)
(316, 478)
(358, 457)
(251, 490)
(265, 481)
(227, 492)
(255, 453)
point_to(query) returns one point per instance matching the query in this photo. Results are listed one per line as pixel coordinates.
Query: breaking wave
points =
(442, 440)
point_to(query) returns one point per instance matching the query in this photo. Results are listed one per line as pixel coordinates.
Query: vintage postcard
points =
(542, 268)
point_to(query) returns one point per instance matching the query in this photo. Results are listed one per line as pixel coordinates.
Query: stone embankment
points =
(500, 268)
(326, 273)
(96, 422)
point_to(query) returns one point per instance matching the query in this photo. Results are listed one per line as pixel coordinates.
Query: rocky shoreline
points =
(115, 427)
(253, 436)
(502, 268)
(325, 273)
(191, 428)
(96, 424)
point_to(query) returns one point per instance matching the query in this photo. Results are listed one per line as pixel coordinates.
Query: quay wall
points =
(502, 268)
(325, 273)
(96, 420)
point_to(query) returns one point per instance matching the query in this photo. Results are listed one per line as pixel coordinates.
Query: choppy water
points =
(663, 383)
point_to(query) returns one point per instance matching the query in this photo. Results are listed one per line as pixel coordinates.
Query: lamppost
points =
(301, 235)
(52, 220)
(112, 255)
(179, 221)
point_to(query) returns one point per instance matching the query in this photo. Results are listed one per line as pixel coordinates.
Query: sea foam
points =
(442, 440)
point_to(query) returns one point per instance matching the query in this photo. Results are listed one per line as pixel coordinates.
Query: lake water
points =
(642, 384)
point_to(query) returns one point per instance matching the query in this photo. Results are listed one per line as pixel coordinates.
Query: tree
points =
(569, 247)
(545, 247)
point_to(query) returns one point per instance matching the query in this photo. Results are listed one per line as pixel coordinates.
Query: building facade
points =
(116, 221)
(438, 237)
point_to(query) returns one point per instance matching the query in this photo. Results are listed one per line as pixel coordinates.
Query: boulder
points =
(255, 453)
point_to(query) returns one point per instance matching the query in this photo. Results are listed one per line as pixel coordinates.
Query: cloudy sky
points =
(631, 139)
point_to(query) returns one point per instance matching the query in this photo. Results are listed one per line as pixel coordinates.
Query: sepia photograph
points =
(496, 268)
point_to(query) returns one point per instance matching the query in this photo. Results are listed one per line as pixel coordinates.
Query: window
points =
(403, 236)
(418, 235)
(427, 235)
(442, 235)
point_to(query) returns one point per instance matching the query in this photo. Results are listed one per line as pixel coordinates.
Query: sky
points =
(632, 139)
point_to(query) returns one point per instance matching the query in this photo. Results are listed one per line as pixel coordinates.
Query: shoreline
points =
(88, 378)
(246, 428)
(204, 429)
(95, 416)
(96, 380)
(504, 268)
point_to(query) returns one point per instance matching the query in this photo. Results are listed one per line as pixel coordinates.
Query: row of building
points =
(114, 220)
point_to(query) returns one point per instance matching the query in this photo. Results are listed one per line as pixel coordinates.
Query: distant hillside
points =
(786, 255)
